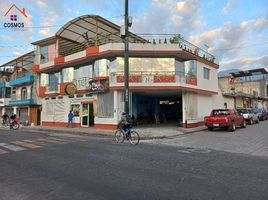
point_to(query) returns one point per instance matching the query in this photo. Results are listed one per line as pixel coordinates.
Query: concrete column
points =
(15, 110)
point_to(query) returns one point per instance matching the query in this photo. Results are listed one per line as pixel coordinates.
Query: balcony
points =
(21, 102)
(153, 78)
(2, 84)
(28, 78)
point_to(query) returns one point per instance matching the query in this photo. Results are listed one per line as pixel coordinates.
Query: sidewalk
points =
(146, 132)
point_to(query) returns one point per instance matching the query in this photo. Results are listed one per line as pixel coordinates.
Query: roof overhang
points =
(22, 61)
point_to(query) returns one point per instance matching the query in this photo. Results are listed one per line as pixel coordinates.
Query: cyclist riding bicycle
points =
(126, 122)
(5, 118)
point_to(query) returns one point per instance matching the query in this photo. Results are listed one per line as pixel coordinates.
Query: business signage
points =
(98, 86)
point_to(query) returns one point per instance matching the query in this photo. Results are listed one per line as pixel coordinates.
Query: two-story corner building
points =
(5, 89)
(81, 68)
(21, 90)
(247, 89)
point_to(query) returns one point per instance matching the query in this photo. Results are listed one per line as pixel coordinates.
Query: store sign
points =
(98, 86)
(13, 22)
(70, 89)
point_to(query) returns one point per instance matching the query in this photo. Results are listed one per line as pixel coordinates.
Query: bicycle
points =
(120, 135)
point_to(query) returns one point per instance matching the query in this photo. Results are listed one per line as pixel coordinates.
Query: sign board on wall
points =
(98, 86)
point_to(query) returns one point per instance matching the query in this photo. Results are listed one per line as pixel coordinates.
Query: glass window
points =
(67, 75)
(44, 54)
(76, 109)
(190, 67)
(206, 73)
(23, 93)
(8, 92)
(48, 53)
(83, 72)
(43, 79)
(101, 67)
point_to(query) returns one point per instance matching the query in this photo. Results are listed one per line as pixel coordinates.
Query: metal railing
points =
(182, 43)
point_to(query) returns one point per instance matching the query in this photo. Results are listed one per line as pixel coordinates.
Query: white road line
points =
(12, 147)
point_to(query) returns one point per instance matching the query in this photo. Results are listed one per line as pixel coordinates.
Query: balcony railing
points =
(21, 102)
(154, 77)
(2, 84)
(28, 78)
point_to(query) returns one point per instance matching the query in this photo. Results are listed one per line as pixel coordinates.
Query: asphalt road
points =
(64, 166)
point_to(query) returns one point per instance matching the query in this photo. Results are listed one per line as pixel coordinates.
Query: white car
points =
(248, 115)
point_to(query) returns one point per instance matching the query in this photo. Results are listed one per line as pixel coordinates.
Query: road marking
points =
(12, 147)
(25, 144)
(3, 151)
(50, 141)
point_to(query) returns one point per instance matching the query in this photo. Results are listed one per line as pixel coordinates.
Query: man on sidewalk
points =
(70, 119)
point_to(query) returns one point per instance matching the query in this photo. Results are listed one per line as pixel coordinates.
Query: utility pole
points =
(126, 61)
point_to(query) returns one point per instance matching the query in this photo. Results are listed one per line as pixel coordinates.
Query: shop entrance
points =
(87, 117)
(157, 107)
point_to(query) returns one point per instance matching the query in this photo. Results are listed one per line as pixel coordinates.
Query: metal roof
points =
(26, 60)
(88, 30)
(251, 72)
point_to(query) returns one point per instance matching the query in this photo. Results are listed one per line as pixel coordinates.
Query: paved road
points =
(63, 166)
(253, 140)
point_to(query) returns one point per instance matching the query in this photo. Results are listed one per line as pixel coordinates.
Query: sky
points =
(234, 31)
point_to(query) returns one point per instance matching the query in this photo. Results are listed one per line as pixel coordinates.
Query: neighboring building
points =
(5, 90)
(81, 68)
(20, 90)
(248, 89)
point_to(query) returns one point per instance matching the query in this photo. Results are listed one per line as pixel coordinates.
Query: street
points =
(47, 166)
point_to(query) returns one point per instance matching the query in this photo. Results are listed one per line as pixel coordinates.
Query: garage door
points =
(23, 115)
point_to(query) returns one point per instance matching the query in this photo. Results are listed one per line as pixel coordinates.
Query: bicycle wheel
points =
(134, 138)
(15, 126)
(119, 136)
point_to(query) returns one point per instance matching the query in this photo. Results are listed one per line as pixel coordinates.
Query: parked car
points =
(248, 115)
(262, 114)
(224, 118)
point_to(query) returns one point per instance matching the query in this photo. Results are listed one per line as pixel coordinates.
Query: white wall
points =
(212, 83)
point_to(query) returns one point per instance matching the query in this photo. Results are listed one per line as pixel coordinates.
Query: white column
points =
(15, 110)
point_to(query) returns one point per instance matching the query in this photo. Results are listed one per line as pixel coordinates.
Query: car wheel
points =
(232, 127)
(257, 121)
(244, 124)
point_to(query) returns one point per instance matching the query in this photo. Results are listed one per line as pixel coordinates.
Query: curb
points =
(105, 134)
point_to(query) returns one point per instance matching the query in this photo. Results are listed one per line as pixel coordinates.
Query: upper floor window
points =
(101, 67)
(206, 73)
(190, 67)
(47, 53)
(23, 93)
(67, 74)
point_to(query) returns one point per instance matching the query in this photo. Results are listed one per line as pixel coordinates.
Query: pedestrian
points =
(70, 119)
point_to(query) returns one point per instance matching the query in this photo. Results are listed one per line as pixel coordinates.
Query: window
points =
(13, 90)
(190, 67)
(48, 53)
(67, 75)
(206, 73)
(23, 93)
(101, 67)
(76, 109)
(43, 80)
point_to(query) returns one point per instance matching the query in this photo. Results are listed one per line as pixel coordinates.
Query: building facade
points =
(18, 90)
(247, 89)
(81, 68)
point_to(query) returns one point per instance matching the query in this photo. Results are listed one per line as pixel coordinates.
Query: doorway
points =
(87, 117)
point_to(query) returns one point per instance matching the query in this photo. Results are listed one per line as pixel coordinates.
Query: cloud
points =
(229, 6)
(246, 63)
(170, 16)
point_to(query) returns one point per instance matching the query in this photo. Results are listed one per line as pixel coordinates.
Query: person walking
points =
(70, 119)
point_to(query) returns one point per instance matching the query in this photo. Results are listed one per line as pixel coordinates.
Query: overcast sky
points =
(236, 31)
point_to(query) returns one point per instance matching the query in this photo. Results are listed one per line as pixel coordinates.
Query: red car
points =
(224, 118)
